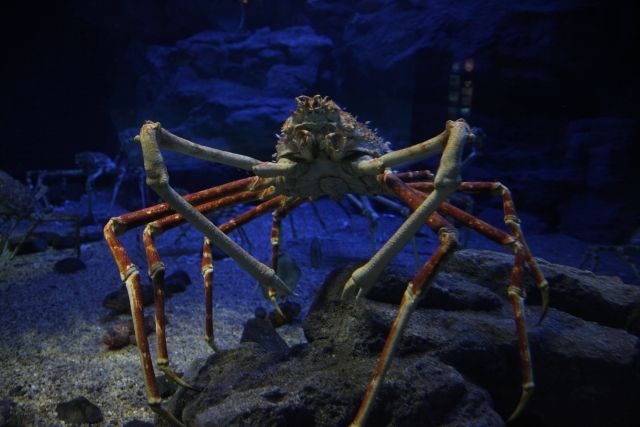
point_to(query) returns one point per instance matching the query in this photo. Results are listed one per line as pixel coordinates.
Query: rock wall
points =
(553, 88)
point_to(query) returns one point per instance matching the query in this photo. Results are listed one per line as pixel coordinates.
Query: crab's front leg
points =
(151, 137)
(446, 182)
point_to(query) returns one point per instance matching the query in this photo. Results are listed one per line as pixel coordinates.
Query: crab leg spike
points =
(446, 182)
(158, 180)
(414, 291)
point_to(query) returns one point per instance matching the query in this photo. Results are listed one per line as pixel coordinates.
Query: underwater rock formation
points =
(457, 362)
(235, 87)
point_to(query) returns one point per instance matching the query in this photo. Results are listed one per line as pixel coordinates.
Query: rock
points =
(79, 410)
(290, 310)
(69, 265)
(449, 292)
(176, 282)
(137, 423)
(166, 386)
(245, 80)
(8, 417)
(457, 362)
(32, 245)
(601, 299)
(261, 331)
(122, 333)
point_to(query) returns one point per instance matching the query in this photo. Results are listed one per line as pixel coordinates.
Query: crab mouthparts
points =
(333, 186)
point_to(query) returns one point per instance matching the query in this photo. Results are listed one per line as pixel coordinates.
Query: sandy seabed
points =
(52, 324)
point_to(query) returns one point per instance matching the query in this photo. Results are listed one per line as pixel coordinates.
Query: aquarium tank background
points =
(551, 85)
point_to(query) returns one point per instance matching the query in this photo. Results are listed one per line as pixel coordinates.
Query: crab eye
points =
(335, 141)
(305, 142)
(303, 137)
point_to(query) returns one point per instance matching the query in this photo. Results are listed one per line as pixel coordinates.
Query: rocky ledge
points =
(457, 363)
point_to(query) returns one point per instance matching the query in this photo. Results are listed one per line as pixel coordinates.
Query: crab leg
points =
(416, 175)
(207, 259)
(412, 295)
(446, 182)
(278, 215)
(511, 219)
(157, 268)
(422, 150)
(146, 215)
(130, 275)
(151, 135)
(515, 290)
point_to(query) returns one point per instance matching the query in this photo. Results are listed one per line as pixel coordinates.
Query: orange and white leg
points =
(130, 275)
(413, 293)
(511, 219)
(515, 291)
(157, 270)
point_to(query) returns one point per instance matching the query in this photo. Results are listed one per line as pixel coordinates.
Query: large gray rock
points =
(457, 363)
(232, 90)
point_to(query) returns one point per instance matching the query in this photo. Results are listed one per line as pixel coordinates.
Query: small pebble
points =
(79, 410)
(69, 265)
(261, 331)
(290, 310)
(137, 423)
(31, 246)
(166, 387)
(7, 413)
(118, 301)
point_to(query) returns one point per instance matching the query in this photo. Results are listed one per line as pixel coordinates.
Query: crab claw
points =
(276, 285)
(355, 286)
(272, 294)
(350, 290)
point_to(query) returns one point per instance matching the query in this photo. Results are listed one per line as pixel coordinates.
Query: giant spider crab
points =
(322, 151)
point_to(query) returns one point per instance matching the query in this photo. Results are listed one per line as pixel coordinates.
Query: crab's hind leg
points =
(512, 221)
(157, 270)
(515, 290)
(130, 275)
